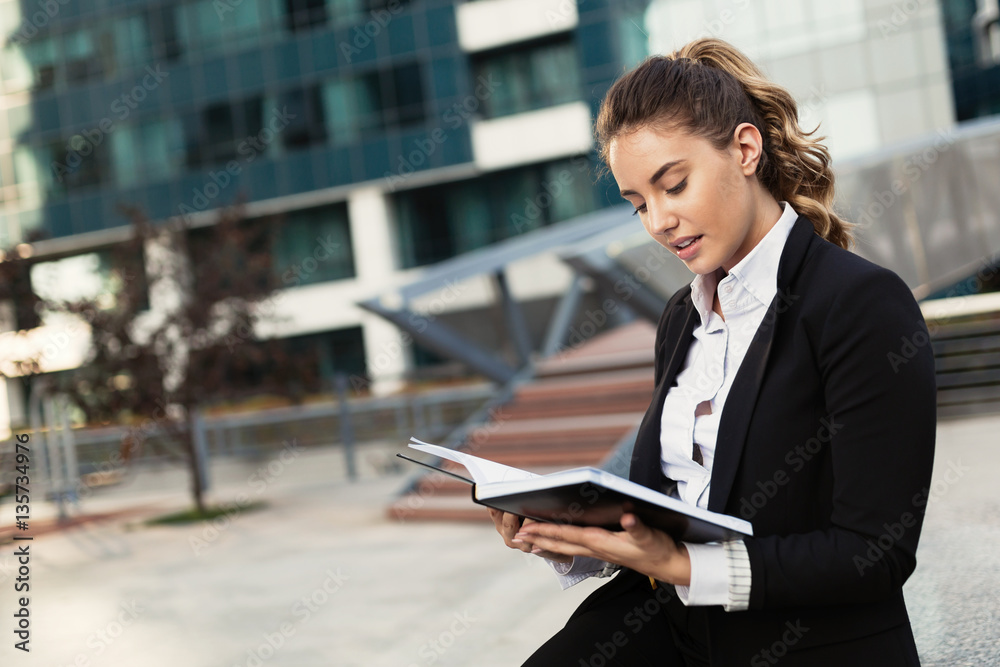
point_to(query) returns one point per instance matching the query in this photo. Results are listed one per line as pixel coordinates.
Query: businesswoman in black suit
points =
(821, 428)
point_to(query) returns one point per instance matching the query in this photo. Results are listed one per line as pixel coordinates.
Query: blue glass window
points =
(307, 125)
(530, 78)
(442, 221)
(314, 245)
(132, 42)
(407, 104)
(148, 151)
(305, 246)
(216, 133)
(211, 27)
(373, 101)
(40, 53)
(219, 133)
(304, 14)
(165, 37)
(77, 163)
(82, 61)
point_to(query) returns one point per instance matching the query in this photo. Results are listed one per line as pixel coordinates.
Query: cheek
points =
(719, 204)
(733, 190)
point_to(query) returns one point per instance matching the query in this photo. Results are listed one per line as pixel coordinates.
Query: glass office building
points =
(389, 133)
(972, 29)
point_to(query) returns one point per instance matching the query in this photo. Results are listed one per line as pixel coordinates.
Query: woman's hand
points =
(639, 547)
(508, 524)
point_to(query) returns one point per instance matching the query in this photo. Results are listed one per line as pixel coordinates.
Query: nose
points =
(661, 219)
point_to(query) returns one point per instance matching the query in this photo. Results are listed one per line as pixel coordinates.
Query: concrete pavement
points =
(320, 576)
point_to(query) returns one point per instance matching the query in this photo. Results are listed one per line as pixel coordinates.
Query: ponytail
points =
(707, 88)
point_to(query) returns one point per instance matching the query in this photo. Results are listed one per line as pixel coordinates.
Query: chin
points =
(700, 266)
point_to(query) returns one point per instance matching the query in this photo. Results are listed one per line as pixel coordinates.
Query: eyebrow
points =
(657, 175)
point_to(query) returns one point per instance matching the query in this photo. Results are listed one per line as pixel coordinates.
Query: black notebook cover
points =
(591, 497)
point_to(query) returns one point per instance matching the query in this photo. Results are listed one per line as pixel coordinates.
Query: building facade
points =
(869, 73)
(390, 134)
(972, 28)
(393, 134)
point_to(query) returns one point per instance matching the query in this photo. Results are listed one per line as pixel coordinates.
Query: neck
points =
(767, 210)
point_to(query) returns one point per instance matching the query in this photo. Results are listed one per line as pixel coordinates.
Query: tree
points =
(156, 367)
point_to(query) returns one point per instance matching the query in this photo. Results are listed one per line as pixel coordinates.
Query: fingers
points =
(551, 555)
(511, 524)
(508, 525)
(646, 538)
(637, 543)
(638, 546)
(556, 549)
(636, 529)
(497, 517)
(559, 531)
(564, 540)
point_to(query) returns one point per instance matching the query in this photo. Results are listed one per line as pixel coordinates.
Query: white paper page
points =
(482, 470)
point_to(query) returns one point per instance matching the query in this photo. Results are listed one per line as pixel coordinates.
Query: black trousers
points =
(626, 623)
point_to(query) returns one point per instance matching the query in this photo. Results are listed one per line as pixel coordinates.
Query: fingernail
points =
(517, 541)
(536, 550)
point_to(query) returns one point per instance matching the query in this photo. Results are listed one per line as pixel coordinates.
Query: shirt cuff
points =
(575, 571)
(720, 575)
(739, 575)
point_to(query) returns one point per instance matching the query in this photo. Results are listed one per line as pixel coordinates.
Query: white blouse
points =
(720, 573)
(715, 356)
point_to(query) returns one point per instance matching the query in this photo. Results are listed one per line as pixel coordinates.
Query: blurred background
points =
(250, 247)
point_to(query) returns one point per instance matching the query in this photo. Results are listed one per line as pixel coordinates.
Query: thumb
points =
(635, 528)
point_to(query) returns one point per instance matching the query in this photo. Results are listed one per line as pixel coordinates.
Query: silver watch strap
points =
(608, 570)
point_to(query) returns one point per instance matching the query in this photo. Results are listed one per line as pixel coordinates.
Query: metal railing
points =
(428, 415)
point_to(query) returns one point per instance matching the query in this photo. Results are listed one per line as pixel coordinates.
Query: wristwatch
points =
(608, 570)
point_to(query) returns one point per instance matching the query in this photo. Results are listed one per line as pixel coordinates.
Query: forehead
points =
(648, 144)
(634, 157)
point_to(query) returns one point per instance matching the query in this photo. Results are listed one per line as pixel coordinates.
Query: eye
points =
(639, 209)
(677, 188)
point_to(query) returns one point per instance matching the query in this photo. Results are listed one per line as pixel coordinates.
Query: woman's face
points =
(684, 188)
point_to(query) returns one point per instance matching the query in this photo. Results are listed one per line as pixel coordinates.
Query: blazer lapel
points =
(646, 469)
(742, 399)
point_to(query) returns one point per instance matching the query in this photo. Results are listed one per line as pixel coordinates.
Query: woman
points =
(782, 396)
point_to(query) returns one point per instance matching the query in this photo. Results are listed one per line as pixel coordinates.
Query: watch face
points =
(608, 570)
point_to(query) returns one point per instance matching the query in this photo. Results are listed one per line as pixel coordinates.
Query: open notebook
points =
(586, 497)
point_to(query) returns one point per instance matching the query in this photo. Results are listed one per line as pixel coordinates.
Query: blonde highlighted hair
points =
(708, 88)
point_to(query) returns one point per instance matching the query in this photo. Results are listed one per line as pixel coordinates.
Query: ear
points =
(748, 146)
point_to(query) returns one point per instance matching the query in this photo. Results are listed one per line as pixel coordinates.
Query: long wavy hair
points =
(707, 88)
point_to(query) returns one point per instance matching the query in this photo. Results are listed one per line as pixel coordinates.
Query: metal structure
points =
(492, 261)
(432, 414)
(928, 209)
(56, 462)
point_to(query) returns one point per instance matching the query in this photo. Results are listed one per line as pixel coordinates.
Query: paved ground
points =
(320, 577)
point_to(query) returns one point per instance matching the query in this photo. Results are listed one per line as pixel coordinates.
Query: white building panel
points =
(487, 24)
(535, 136)
(862, 69)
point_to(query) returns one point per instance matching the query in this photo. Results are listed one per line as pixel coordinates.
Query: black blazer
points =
(825, 443)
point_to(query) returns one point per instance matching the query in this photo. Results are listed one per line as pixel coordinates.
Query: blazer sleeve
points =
(877, 369)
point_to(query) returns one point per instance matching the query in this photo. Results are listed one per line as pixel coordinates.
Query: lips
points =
(683, 240)
(689, 250)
